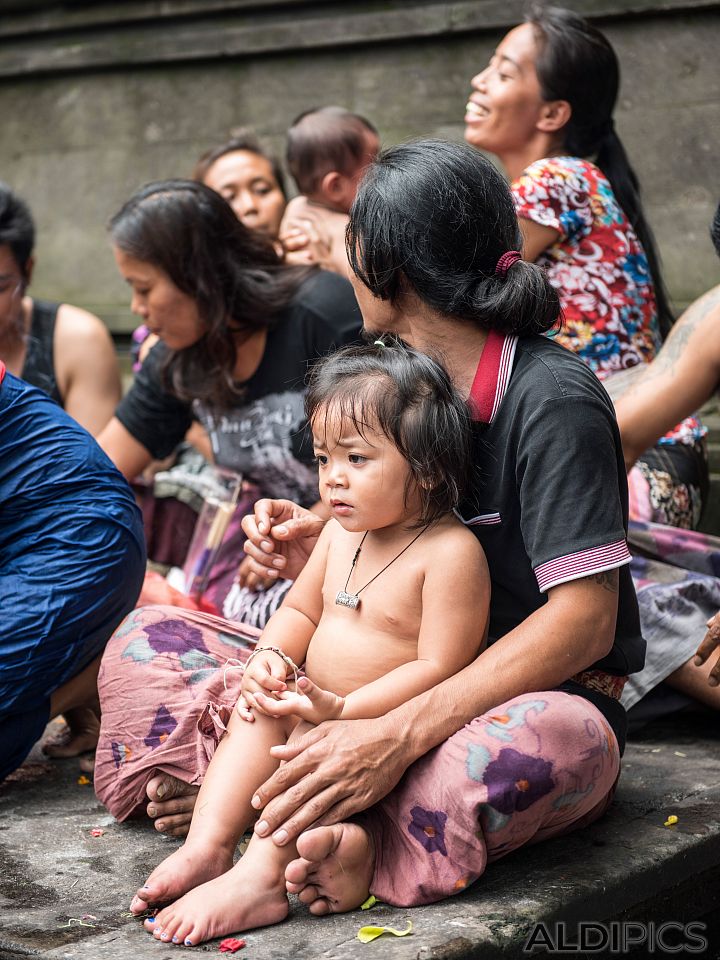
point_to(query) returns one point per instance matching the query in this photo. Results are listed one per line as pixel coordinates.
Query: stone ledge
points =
(50, 39)
(628, 866)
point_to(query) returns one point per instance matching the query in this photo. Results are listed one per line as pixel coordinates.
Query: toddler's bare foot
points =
(250, 895)
(171, 804)
(184, 869)
(80, 734)
(334, 869)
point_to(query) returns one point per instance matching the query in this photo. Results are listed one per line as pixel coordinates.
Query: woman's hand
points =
(264, 674)
(280, 538)
(311, 703)
(710, 642)
(330, 773)
(247, 578)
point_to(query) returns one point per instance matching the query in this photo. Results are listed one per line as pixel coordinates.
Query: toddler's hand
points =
(311, 703)
(266, 674)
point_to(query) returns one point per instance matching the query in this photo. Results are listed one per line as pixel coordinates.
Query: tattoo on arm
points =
(608, 579)
(682, 331)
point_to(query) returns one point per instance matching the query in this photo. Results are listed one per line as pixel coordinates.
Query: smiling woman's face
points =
(168, 312)
(505, 103)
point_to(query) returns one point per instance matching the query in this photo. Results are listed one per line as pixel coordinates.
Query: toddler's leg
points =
(222, 812)
(251, 894)
(536, 767)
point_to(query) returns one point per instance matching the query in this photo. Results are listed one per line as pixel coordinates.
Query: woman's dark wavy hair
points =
(576, 63)
(233, 274)
(410, 398)
(239, 139)
(433, 218)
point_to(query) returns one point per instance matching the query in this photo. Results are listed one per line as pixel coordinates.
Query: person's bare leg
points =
(171, 805)
(693, 681)
(77, 700)
(222, 811)
(250, 895)
(80, 735)
(334, 868)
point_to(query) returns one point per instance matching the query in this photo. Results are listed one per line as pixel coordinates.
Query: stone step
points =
(627, 869)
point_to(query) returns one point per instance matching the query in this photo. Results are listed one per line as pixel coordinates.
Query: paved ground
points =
(54, 874)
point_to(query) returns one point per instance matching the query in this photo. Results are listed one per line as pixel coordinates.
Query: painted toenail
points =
(188, 943)
(280, 836)
(261, 828)
(145, 887)
(150, 919)
(175, 940)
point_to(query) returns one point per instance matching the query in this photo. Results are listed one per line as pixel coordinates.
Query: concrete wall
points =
(97, 98)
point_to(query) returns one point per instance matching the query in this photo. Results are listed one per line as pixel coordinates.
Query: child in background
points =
(370, 617)
(328, 150)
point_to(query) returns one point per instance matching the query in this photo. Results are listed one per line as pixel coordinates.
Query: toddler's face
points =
(363, 477)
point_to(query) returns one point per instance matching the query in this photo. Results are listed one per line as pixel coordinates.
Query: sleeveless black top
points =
(39, 366)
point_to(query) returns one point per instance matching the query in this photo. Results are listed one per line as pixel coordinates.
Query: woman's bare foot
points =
(87, 763)
(183, 870)
(334, 869)
(171, 804)
(250, 895)
(79, 735)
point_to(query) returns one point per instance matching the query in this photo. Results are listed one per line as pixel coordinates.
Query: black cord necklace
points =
(345, 599)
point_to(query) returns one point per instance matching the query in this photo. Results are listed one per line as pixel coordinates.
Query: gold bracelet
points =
(283, 656)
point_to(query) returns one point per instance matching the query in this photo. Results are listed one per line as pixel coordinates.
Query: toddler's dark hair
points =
(409, 397)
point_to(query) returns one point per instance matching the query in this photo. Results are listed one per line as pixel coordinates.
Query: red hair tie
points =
(505, 262)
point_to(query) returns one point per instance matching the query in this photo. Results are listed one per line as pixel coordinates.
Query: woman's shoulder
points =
(323, 307)
(571, 175)
(545, 370)
(322, 292)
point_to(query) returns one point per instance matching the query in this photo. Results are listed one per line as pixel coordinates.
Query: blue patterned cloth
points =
(72, 558)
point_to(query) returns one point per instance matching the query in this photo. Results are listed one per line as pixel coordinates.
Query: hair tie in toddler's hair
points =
(506, 261)
(378, 343)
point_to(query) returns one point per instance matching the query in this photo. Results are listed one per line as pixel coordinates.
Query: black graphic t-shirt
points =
(263, 435)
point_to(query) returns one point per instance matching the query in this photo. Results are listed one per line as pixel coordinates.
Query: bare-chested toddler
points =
(371, 618)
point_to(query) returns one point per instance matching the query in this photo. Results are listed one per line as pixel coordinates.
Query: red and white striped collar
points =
(2, 371)
(492, 377)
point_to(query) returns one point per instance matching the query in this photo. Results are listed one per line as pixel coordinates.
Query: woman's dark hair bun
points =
(433, 218)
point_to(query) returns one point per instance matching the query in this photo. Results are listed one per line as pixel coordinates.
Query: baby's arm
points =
(289, 629)
(453, 629)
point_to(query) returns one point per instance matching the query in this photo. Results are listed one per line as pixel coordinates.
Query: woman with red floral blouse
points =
(544, 107)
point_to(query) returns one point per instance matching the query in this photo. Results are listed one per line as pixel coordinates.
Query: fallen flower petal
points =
(231, 945)
(367, 934)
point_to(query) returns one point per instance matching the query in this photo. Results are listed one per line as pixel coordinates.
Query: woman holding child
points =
(524, 742)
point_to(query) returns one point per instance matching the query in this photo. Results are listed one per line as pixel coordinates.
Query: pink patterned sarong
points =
(166, 687)
(536, 767)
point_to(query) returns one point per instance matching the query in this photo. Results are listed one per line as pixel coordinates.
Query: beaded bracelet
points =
(283, 656)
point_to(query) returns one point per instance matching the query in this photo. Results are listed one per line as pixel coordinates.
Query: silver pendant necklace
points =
(345, 599)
